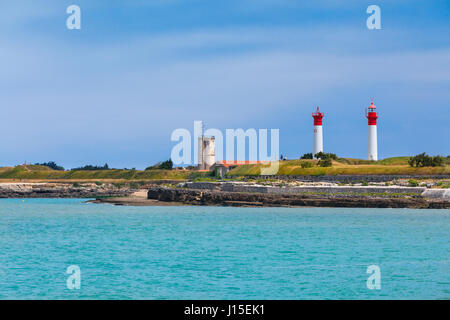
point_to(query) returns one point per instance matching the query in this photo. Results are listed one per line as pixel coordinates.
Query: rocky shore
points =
(235, 194)
(62, 190)
(260, 196)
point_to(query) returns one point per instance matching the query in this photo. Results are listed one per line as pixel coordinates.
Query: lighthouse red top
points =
(372, 115)
(318, 117)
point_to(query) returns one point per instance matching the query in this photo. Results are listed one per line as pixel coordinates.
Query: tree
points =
(320, 155)
(438, 161)
(323, 156)
(51, 165)
(167, 165)
(307, 156)
(92, 168)
(424, 160)
(325, 162)
(306, 164)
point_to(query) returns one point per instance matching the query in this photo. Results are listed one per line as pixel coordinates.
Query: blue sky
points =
(116, 89)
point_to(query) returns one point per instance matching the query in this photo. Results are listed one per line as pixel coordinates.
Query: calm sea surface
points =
(220, 253)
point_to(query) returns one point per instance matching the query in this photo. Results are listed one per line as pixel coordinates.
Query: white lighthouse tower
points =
(372, 148)
(206, 152)
(318, 137)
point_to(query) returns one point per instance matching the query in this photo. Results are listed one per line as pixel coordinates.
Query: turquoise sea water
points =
(220, 253)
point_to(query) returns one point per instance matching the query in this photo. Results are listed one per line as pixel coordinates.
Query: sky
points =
(114, 91)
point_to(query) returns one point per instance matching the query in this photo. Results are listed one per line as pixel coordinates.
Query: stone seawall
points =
(354, 178)
(242, 187)
(437, 194)
(224, 198)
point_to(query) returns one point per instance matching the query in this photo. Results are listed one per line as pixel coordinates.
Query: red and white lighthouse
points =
(372, 147)
(318, 137)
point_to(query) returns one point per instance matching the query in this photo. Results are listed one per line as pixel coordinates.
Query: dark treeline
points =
(167, 165)
(51, 165)
(91, 167)
(320, 155)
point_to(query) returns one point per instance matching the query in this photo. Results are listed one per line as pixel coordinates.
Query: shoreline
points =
(135, 202)
(237, 194)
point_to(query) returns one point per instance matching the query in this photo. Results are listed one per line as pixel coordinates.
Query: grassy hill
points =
(33, 172)
(387, 161)
(346, 166)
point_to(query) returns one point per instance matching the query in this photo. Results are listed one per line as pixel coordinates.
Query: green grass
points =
(352, 161)
(364, 194)
(393, 161)
(389, 166)
(443, 185)
(31, 172)
(343, 166)
(387, 161)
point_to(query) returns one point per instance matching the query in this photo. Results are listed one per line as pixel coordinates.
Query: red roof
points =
(239, 162)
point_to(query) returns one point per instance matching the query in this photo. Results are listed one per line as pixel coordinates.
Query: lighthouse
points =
(372, 147)
(318, 138)
(206, 152)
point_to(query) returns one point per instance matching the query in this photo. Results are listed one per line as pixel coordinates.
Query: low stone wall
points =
(354, 178)
(223, 198)
(204, 185)
(242, 187)
(437, 194)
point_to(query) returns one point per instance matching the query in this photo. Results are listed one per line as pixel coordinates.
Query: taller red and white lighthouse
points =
(318, 137)
(372, 148)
